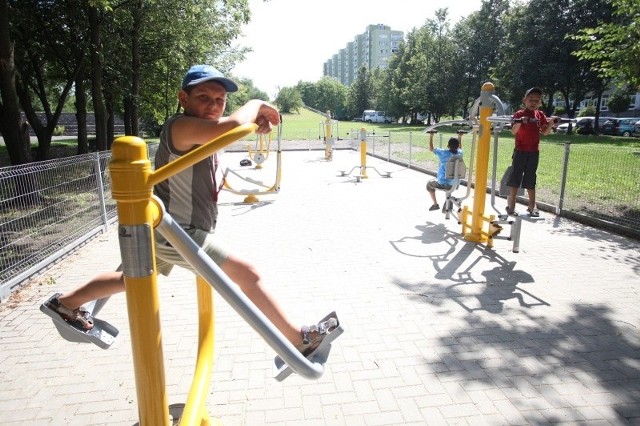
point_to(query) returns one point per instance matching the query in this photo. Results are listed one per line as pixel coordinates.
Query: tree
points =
(289, 100)
(478, 39)
(50, 57)
(246, 91)
(618, 102)
(360, 93)
(15, 130)
(614, 47)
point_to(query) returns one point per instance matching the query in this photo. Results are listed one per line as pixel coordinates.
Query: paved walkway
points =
(437, 330)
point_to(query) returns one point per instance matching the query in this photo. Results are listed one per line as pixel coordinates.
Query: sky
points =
(292, 39)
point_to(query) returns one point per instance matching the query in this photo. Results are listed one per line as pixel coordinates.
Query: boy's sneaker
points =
(79, 318)
(434, 207)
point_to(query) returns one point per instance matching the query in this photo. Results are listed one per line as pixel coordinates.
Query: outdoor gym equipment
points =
(259, 157)
(329, 140)
(363, 161)
(138, 213)
(102, 334)
(455, 170)
(485, 228)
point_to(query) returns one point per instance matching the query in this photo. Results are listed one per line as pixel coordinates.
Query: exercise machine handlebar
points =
(507, 119)
(431, 129)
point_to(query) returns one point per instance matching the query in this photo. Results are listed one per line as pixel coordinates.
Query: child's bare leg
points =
(102, 285)
(532, 198)
(243, 274)
(511, 199)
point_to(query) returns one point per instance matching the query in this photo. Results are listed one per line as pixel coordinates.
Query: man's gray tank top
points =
(189, 196)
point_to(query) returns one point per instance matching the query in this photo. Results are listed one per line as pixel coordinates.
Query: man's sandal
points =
(313, 335)
(511, 212)
(79, 318)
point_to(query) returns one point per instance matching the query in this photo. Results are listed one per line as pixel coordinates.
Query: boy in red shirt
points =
(528, 124)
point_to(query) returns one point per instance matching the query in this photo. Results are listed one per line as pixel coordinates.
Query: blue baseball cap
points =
(200, 73)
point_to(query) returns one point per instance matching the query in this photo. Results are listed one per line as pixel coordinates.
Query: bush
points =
(589, 111)
(58, 131)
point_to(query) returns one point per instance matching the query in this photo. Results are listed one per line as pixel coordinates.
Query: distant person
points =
(191, 198)
(528, 124)
(454, 147)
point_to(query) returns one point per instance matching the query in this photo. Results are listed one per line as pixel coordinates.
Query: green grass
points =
(588, 167)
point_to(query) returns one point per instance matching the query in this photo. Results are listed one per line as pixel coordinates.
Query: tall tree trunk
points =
(81, 115)
(96, 80)
(135, 67)
(110, 123)
(15, 130)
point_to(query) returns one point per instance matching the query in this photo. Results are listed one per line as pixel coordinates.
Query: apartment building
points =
(371, 49)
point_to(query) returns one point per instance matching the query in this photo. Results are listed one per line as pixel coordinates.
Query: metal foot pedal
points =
(102, 334)
(319, 355)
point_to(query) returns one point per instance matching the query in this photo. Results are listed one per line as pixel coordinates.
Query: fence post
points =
(389, 148)
(563, 178)
(103, 205)
(410, 147)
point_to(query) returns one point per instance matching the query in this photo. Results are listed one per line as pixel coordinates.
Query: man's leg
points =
(245, 275)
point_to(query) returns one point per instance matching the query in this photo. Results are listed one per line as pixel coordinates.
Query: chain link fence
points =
(573, 180)
(49, 208)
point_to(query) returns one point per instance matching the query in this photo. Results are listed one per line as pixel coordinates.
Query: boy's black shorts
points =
(523, 169)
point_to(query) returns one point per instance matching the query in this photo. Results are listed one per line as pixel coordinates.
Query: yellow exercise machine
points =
(261, 153)
(329, 140)
(476, 225)
(139, 212)
(251, 194)
(363, 161)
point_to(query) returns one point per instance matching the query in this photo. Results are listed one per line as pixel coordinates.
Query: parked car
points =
(637, 130)
(564, 127)
(620, 127)
(584, 125)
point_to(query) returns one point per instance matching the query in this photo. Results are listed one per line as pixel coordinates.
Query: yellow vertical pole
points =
(482, 164)
(130, 169)
(328, 138)
(195, 410)
(363, 153)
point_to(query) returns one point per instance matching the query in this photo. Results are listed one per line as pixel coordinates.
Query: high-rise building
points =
(371, 49)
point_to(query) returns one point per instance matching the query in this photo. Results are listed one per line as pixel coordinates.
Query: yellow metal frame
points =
(132, 189)
(328, 138)
(261, 150)
(363, 153)
(482, 166)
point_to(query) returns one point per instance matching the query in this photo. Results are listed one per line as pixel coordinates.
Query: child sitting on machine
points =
(441, 182)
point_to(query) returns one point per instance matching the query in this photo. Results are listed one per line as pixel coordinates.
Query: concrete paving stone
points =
(384, 418)
(433, 416)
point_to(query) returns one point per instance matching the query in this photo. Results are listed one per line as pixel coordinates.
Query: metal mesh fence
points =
(573, 179)
(47, 208)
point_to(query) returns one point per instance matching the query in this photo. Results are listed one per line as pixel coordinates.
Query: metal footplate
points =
(320, 354)
(102, 334)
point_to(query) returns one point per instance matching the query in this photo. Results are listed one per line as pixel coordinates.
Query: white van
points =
(373, 116)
